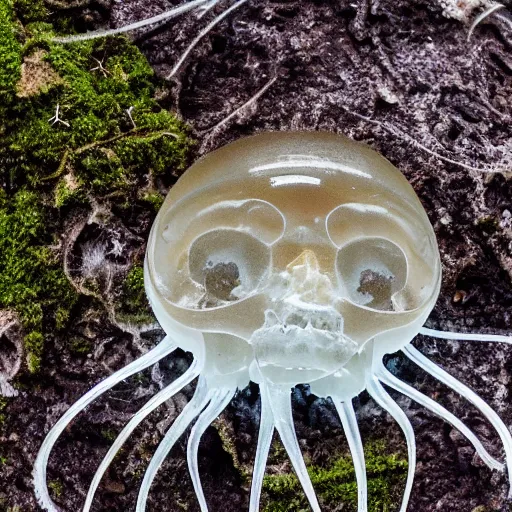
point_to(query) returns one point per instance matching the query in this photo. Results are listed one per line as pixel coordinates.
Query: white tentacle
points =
(190, 411)
(443, 376)
(137, 419)
(389, 379)
(219, 401)
(165, 347)
(349, 421)
(264, 442)
(279, 399)
(446, 335)
(381, 396)
(167, 15)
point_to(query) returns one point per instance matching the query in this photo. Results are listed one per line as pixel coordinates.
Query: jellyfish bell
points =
(287, 258)
(295, 249)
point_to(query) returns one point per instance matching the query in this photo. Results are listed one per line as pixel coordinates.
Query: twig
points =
(243, 107)
(132, 133)
(56, 118)
(394, 130)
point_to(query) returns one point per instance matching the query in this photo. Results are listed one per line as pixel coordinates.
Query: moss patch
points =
(78, 123)
(10, 50)
(133, 306)
(31, 280)
(335, 483)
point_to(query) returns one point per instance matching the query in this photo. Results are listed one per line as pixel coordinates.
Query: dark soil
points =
(399, 76)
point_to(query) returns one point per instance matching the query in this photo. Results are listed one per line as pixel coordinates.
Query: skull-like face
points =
(281, 255)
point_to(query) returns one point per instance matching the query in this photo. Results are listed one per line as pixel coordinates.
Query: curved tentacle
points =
(219, 401)
(389, 379)
(137, 419)
(190, 411)
(491, 415)
(446, 335)
(381, 396)
(200, 36)
(167, 15)
(264, 442)
(349, 421)
(164, 348)
(279, 399)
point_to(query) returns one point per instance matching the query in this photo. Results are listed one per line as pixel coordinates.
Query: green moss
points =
(109, 434)
(80, 346)
(113, 141)
(133, 306)
(29, 11)
(10, 50)
(3, 405)
(335, 483)
(31, 280)
(154, 199)
(488, 224)
(69, 192)
(56, 487)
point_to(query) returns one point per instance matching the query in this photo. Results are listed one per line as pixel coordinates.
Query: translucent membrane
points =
(164, 348)
(137, 419)
(445, 335)
(462, 389)
(264, 442)
(219, 401)
(280, 403)
(167, 15)
(190, 411)
(381, 396)
(349, 421)
(389, 379)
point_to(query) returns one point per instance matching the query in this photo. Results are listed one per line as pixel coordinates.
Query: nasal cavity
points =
(307, 280)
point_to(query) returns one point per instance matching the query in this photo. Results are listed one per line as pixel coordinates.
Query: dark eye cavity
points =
(371, 272)
(229, 264)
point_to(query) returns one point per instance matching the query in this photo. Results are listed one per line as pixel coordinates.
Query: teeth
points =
(291, 345)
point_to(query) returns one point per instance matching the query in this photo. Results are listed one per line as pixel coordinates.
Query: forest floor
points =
(399, 75)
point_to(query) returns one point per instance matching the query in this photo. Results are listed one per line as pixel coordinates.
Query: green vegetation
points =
(109, 141)
(3, 405)
(335, 483)
(10, 51)
(133, 306)
(56, 487)
(31, 281)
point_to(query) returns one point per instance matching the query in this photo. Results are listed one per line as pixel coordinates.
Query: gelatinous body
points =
(288, 258)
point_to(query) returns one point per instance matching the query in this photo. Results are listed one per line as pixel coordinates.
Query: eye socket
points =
(373, 273)
(228, 265)
(202, 213)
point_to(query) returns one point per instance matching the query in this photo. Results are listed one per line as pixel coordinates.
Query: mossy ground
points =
(114, 142)
(335, 482)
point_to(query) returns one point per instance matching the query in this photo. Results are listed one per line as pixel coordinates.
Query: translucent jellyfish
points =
(281, 259)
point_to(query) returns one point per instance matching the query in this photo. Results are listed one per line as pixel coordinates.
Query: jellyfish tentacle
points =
(382, 397)
(137, 419)
(200, 36)
(164, 348)
(447, 335)
(186, 417)
(390, 380)
(491, 415)
(219, 401)
(167, 15)
(279, 398)
(349, 422)
(264, 441)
